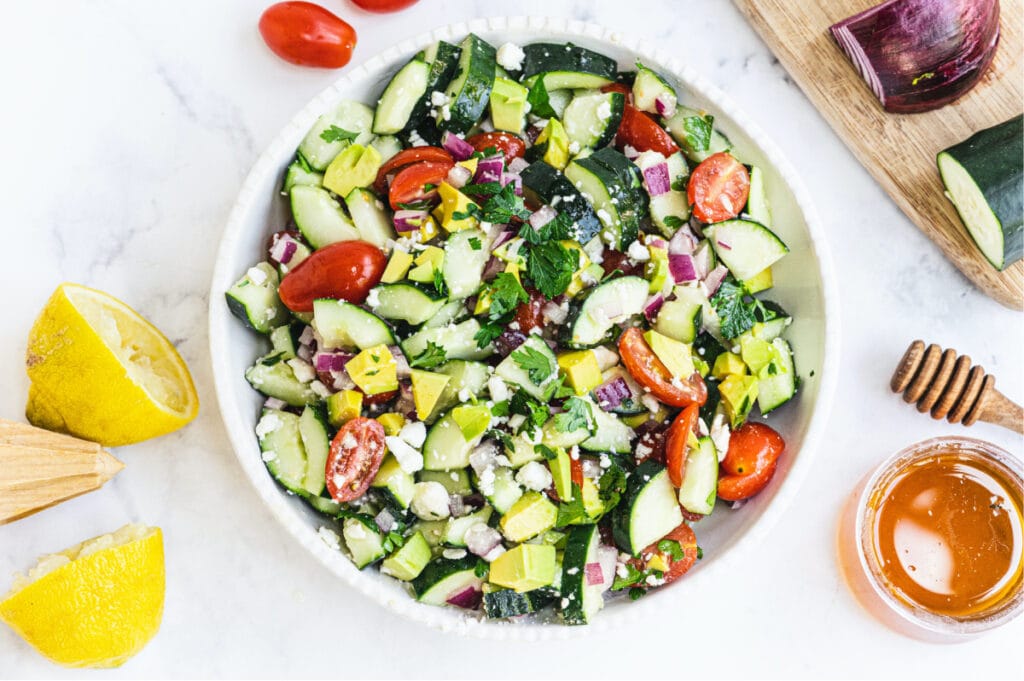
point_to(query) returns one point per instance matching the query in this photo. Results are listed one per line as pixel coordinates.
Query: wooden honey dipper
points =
(949, 387)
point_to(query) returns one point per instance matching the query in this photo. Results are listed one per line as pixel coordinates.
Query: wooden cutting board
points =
(899, 149)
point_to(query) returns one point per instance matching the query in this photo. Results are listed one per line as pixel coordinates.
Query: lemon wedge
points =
(101, 372)
(95, 604)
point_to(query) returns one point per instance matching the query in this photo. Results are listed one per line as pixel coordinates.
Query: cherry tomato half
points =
(718, 188)
(676, 568)
(308, 35)
(407, 157)
(384, 5)
(505, 142)
(677, 444)
(645, 367)
(576, 472)
(356, 453)
(408, 186)
(643, 133)
(346, 271)
(750, 463)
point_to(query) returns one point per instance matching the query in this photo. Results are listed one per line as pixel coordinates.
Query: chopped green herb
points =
(474, 243)
(336, 134)
(506, 293)
(433, 355)
(636, 593)
(481, 189)
(559, 228)
(487, 333)
(472, 211)
(571, 511)
(672, 548)
(504, 206)
(481, 568)
(679, 183)
(524, 405)
(576, 415)
(673, 221)
(550, 266)
(535, 363)
(545, 451)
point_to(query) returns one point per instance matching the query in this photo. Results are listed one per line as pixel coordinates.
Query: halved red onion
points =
(331, 361)
(459, 148)
(503, 236)
(459, 176)
(409, 220)
(702, 260)
(304, 352)
(492, 268)
(595, 575)
(542, 216)
(682, 267)
(656, 179)
(489, 169)
(469, 598)
(652, 306)
(611, 393)
(283, 249)
(340, 380)
(307, 336)
(517, 165)
(715, 278)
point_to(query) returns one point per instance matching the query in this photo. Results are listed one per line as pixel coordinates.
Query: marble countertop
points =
(128, 128)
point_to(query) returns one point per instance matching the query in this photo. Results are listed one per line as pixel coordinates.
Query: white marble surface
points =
(127, 129)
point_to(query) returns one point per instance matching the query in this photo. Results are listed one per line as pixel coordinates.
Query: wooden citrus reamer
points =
(39, 469)
(945, 384)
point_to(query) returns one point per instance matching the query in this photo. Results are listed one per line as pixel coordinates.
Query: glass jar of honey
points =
(932, 541)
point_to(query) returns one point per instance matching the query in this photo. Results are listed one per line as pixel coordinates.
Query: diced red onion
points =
(468, 598)
(611, 393)
(405, 406)
(456, 506)
(401, 363)
(342, 381)
(630, 152)
(665, 103)
(517, 165)
(274, 403)
(331, 361)
(656, 242)
(702, 260)
(503, 237)
(459, 148)
(542, 216)
(458, 176)
(652, 306)
(682, 268)
(481, 539)
(385, 521)
(307, 336)
(515, 180)
(409, 220)
(493, 267)
(283, 249)
(304, 352)
(595, 575)
(489, 169)
(724, 245)
(715, 278)
(656, 179)
(683, 241)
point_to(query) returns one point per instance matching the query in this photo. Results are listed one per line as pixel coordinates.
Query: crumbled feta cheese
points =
(268, 423)
(454, 554)
(409, 459)
(416, 140)
(353, 529)
(606, 358)
(269, 456)
(497, 389)
(510, 57)
(574, 147)
(464, 395)
(256, 275)
(604, 110)
(594, 250)
(534, 476)
(320, 389)
(572, 571)
(414, 432)
(330, 537)
(481, 539)
(430, 501)
(651, 402)
(438, 98)
(494, 553)
(637, 251)
(720, 435)
(373, 297)
(303, 370)
(621, 570)
(482, 457)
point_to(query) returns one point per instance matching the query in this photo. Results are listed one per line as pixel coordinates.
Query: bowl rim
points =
(239, 433)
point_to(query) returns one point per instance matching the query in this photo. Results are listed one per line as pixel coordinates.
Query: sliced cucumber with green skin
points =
(257, 304)
(648, 511)
(775, 389)
(757, 208)
(503, 492)
(452, 311)
(508, 603)
(458, 341)
(282, 449)
(273, 377)
(284, 340)
(344, 325)
(444, 578)
(744, 246)
(470, 90)
(444, 60)
(591, 120)
(545, 103)
(610, 434)
(632, 199)
(387, 146)
(317, 444)
(466, 255)
(455, 531)
(370, 218)
(328, 507)
(601, 187)
(364, 543)
(299, 173)
(700, 483)
(580, 601)
(680, 318)
(407, 302)
(652, 93)
(543, 184)
(319, 217)
(546, 57)
(984, 179)
(511, 372)
(463, 375)
(608, 303)
(446, 448)
(396, 482)
(456, 481)
(773, 328)
(348, 115)
(695, 134)
(400, 97)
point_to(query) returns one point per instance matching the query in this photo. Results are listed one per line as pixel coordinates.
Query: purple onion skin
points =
(919, 55)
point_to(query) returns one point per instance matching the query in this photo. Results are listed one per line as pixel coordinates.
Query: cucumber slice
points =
(775, 389)
(407, 302)
(652, 93)
(455, 530)
(444, 578)
(452, 311)
(319, 217)
(458, 341)
(511, 371)
(648, 511)
(370, 218)
(284, 340)
(349, 116)
(272, 376)
(580, 601)
(282, 449)
(328, 507)
(444, 59)
(456, 481)
(680, 318)
(700, 484)
(670, 210)
(464, 376)
(299, 173)
(561, 57)
(610, 434)
(507, 603)
(543, 184)
(632, 199)
(502, 492)
(466, 255)
(600, 186)
(317, 444)
(364, 543)
(607, 304)
(757, 201)
(400, 97)
(469, 92)
(695, 134)
(395, 482)
(387, 146)
(344, 325)
(745, 247)
(591, 120)
(253, 299)
(446, 448)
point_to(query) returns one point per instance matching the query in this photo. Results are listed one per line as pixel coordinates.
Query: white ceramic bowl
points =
(803, 285)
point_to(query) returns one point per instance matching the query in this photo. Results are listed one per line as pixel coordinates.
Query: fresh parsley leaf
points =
(506, 293)
(735, 307)
(611, 486)
(700, 553)
(487, 333)
(535, 363)
(504, 206)
(439, 284)
(560, 227)
(697, 130)
(633, 576)
(536, 413)
(500, 409)
(545, 451)
(679, 183)
(429, 187)
(550, 266)
(501, 436)
(557, 389)
(571, 511)
(433, 355)
(636, 593)
(475, 243)
(472, 211)
(481, 189)
(672, 548)
(576, 415)
(673, 221)
(336, 134)
(481, 568)
(393, 541)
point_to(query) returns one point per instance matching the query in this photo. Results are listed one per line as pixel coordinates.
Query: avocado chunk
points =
(356, 166)
(531, 515)
(756, 352)
(508, 105)
(762, 281)
(582, 370)
(472, 420)
(561, 473)
(728, 363)
(408, 562)
(455, 213)
(427, 388)
(429, 261)
(343, 406)
(673, 354)
(374, 370)
(525, 567)
(398, 265)
(738, 395)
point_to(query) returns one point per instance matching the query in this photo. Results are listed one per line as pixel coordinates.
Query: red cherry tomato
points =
(621, 88)
(645, 367)
(346, 271)
(576, 472)
(379, 398)
(650, 444)
(718, 188)
(405, 158)
(750, 463)
(308, 35)
(507, 143)
(356, 453)
(529, 315)
(676, 568)
(408, 185)
(677, 444)
(643, 133)
(382, 6)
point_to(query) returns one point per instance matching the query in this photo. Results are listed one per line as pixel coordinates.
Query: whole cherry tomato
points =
(750, 463)
(645, 367)
(356, 453)
(308, 35)
(507, 143)
(718, 188)
(405, 158)
(384, 5)
(409, 185)
(346, 270)
(677, 444)
(676, 568)
(643, 133)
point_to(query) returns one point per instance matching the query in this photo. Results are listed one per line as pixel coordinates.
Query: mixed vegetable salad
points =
(514, 334)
